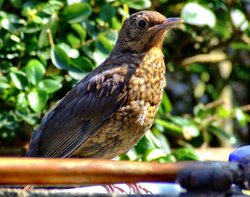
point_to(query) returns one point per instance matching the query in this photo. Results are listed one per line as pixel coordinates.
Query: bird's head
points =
(144, 30)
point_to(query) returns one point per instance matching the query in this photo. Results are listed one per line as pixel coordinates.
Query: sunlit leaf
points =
(154, 154)
(22, 100)
(190, 131)
(19, 79)
(100, 56)
(77, 75)
(80, 31)
(49, 85)
(6, 24)
(196, 14)
(37, 99)
(223, 112)
(72, 53)
(3, 83)
(241, 117)
(239, 19)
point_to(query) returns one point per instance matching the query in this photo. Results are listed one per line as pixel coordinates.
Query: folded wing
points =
(81, 113)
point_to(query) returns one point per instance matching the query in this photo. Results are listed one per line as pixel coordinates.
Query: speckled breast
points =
(144, 97)
(126, 127)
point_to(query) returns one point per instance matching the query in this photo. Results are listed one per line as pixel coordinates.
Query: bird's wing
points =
(81, 113)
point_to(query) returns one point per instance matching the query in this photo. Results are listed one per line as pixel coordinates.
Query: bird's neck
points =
(121, 48)
(139, 46)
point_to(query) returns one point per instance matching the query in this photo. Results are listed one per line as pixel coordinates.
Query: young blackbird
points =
(110, 109)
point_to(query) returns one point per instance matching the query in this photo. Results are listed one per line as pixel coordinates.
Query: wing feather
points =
(81, 113)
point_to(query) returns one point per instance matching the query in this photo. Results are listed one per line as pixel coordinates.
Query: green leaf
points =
(60, 58)
(74, 41)
(72, 53)
(166, 159)
(171, 128)
(105, 42)
(195, 14)
(144, 145)
(37, 99)
(223, 112)
(52, 7)
(19, 79)
(241, 117)
(26, 115)
(107, 12)
(34, 71)
(3, 83)
(83, 64)
(99, 56)
(91, 28)
(197, 68)
(16, 3)
(80, 31)
(166, 105)
(239, 19)
(184, 154)
(138, 4)
(21, 101)
(1, 3)
(190, 129)
(76, 75)
(221, 134)
(240, 46)
(116, 24)
(6, 24)
(154, 154)
(52, 25)
(77, 12)
(49, 85)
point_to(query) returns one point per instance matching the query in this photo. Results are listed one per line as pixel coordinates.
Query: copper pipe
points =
(40, 171)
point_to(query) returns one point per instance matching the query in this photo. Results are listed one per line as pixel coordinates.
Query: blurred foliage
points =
(47, 46)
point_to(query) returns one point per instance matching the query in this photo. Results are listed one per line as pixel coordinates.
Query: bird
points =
(109, 110)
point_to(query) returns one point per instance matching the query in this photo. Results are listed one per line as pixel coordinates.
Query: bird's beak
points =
(170, 23)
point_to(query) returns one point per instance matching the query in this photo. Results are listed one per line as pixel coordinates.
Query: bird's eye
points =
(142, 24)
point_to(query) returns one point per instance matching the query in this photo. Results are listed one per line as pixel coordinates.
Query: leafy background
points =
(46, 47)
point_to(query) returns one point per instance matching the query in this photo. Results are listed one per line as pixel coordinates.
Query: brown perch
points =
(39, 171)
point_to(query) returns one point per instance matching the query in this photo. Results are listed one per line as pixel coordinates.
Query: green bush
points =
(46, 47)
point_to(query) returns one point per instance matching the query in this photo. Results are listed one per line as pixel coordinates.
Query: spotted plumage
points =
(109, 110)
